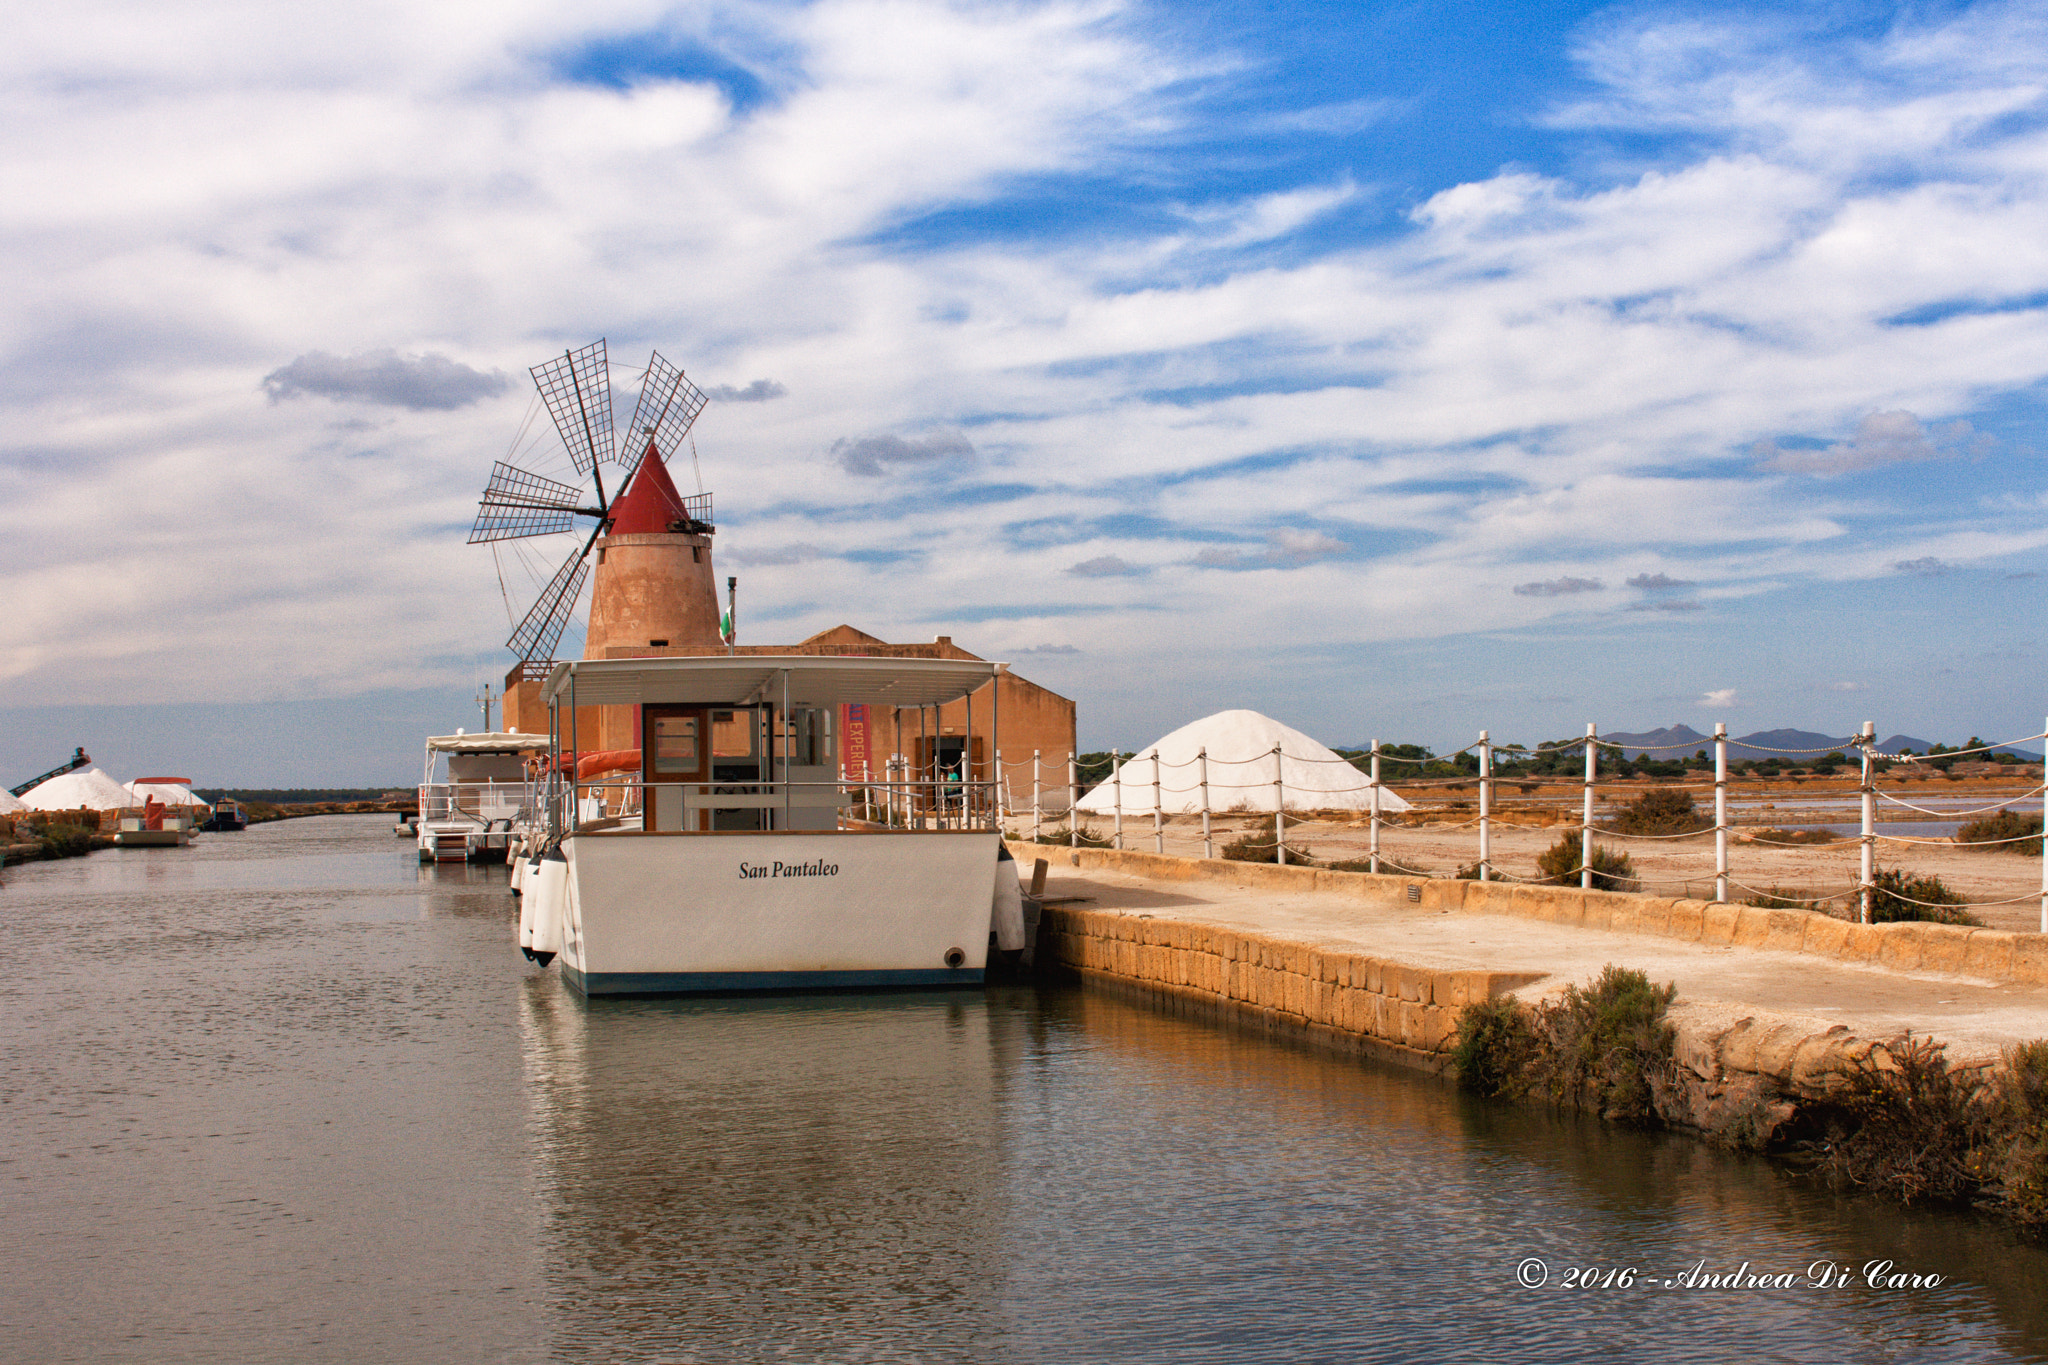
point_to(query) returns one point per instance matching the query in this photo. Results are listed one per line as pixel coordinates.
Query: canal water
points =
(286, 1095)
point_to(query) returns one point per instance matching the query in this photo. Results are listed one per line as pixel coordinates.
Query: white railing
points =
(480, 802)
(889, 803)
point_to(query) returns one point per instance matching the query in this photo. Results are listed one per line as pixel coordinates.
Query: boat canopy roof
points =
(505, 742)
(748, 679)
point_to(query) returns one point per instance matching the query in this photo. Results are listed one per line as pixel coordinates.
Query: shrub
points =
(65, 841)
(1906, 1125)
(1794, 836)
(1605, 1046)
(1495, 1050)
(1661, 810)
(1249, 848)
(2021, 1168)
(2006, 824)
(1785, 898)
(1064, 836)
(1897, 895)
(1612, 871)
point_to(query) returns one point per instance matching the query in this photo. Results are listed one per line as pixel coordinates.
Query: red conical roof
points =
(650, 501)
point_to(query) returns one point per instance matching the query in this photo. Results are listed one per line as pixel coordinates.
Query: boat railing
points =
(745, 803)
(483, 802)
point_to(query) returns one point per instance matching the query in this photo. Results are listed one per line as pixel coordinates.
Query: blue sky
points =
(1397, 370)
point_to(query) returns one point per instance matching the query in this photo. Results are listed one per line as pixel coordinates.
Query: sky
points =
(1398, 370)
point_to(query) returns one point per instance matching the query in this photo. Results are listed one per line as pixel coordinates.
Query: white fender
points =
(518, 872)
(1006, 912)
(526, 913)
(550, 900)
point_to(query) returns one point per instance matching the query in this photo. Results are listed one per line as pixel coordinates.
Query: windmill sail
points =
(538, 634)
(578, 391)
(517, 503)
(667, 409)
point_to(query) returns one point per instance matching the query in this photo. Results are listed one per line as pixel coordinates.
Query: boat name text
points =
(819, 868)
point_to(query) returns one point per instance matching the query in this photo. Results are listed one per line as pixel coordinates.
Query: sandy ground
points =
(1717, 986)
(1438, 840)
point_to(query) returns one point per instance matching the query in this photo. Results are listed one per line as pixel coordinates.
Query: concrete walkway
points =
(1717, 986)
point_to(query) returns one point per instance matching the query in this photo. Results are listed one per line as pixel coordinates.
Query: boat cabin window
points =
(675, 744)
(807, 737)
(732, 734)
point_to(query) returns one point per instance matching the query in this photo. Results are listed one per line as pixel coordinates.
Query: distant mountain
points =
(1659, 743)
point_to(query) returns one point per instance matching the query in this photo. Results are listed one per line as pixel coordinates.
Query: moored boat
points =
(740, 857)
(485, 801)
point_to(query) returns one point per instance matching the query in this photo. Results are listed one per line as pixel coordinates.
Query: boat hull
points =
(715, 913)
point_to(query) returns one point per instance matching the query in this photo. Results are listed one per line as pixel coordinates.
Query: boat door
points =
(674, 750)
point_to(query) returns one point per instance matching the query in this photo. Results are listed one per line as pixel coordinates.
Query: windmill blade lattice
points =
(539, 633)
(667, 409)
(578, 391)
(517, 503)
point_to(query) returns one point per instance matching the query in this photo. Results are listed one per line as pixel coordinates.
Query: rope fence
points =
(1063, 798)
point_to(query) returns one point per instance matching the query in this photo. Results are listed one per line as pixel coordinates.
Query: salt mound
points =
(10, 803)
(86, 787)
(1241, 770)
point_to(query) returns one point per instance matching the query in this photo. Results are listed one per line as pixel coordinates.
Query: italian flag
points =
(725, 625)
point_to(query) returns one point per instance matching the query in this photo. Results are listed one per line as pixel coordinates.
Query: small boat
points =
(228, 816)
(154, 828)
(485, 800)
(740, 857)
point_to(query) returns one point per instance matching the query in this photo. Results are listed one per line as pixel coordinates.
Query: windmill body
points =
(645, 550)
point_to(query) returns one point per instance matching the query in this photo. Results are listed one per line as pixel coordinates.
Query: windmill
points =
(517, 503)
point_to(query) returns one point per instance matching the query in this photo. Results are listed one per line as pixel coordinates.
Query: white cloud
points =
(1542, 369)
(1719, 699)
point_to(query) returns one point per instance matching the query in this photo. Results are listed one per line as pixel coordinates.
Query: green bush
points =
(1607, 1044)
(1905, 1125)
(2006, 824)
(1894, 894)
(1612, 871)
(1064, 837)
(2021, 1164)
(1496, 1049)
(1794, 836)
(1783, 898)
(1250, 848)
(66, 841)
(1604, 1049)
(1661, 810)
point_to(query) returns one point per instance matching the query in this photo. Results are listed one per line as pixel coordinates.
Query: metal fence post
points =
(1375, 783)
(1586, 814)
(1279, 807)
(1158, 806)
(1037, 804)
(1721, 811)
(1116, 777)
(1209, 843)
(1073, 801)
(1002, 795)
(1864, 742)
(1485, 808)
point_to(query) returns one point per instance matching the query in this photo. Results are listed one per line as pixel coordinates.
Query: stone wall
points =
(1353, 1000)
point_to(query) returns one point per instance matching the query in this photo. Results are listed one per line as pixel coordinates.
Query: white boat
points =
(485, 800)
(739, 858)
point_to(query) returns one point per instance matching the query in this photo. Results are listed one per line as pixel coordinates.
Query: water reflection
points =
(1060, 1174)
(808, 1175)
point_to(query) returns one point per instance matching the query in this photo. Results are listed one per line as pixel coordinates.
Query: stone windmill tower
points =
(654, 584)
